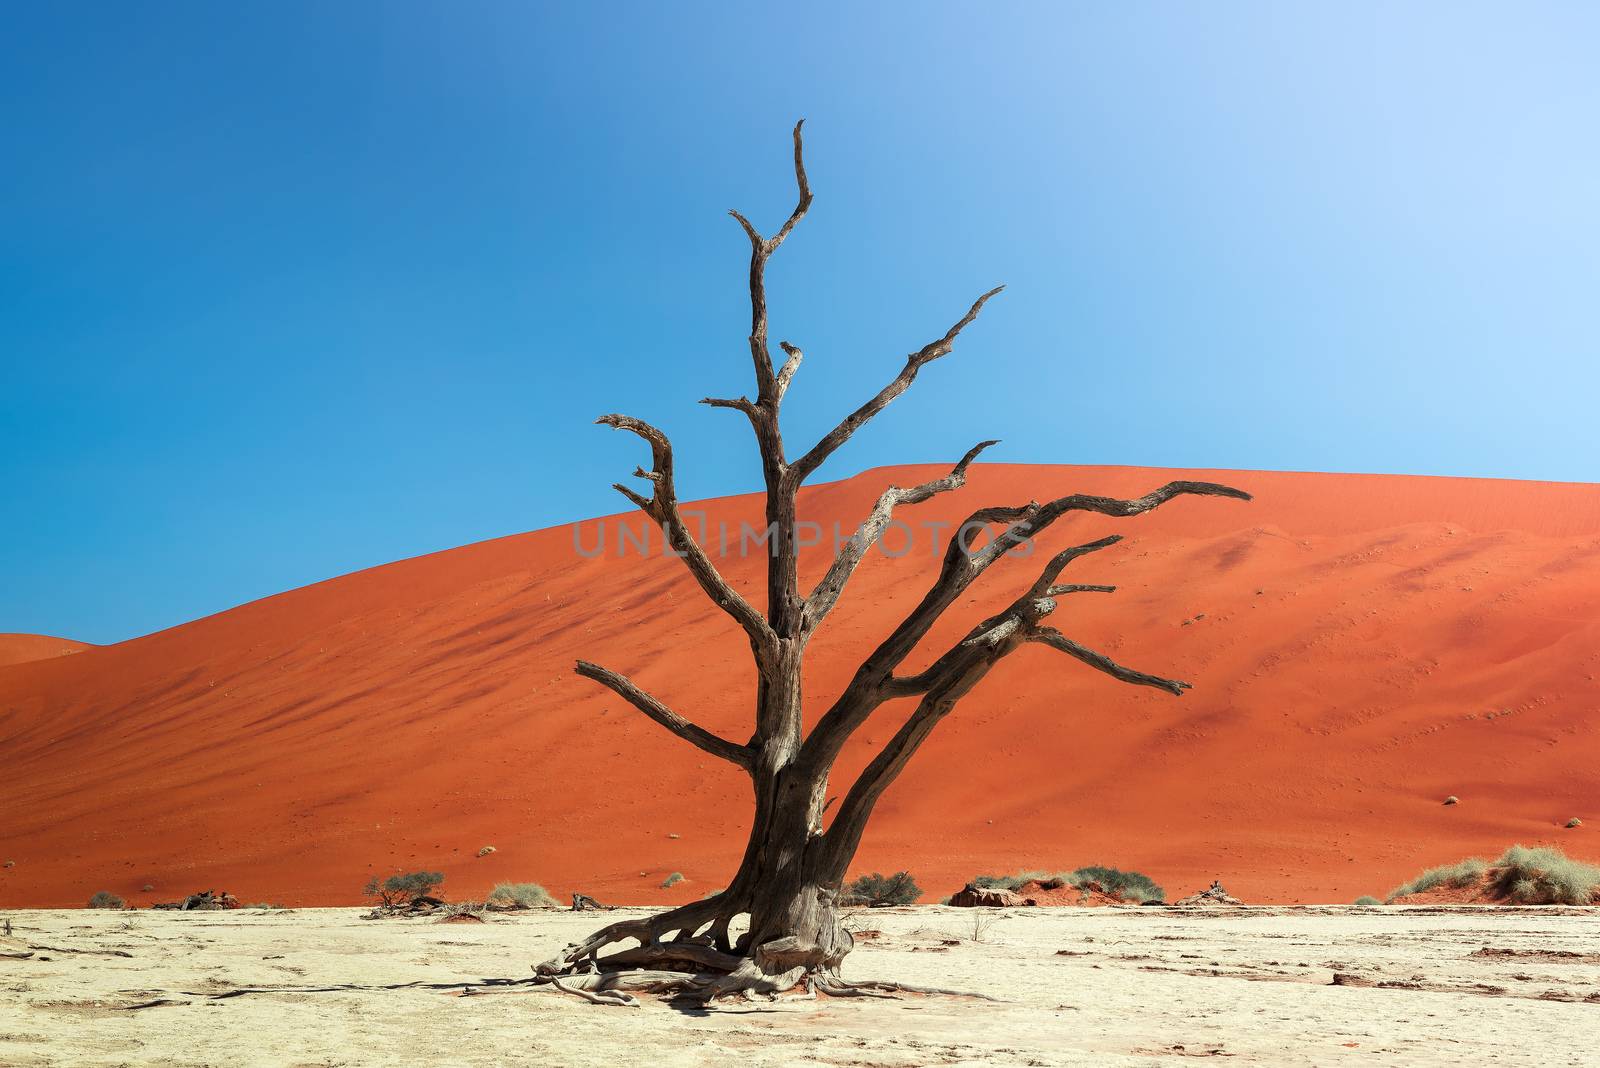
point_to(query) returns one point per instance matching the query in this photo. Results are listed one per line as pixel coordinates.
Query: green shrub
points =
(1009, 882)
(876, 889)
(1544, 877)
(1128, 885)
(404, 888)
(1367, 899)
(520, 895)
(105, 899)
(1521, 875)
(672, 880)
(1455, 876)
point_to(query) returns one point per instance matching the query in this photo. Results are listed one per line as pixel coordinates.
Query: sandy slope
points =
(22, 648)
(1360, 646)
(1082, 987)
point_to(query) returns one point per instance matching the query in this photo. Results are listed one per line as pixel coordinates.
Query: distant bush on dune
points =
(1127, 885)
(1520, 876)
(1367, 899)
(1010, 882)
(1462, 873)
(877, 889)
(520, 896)
(105, 899)
(1544, 877)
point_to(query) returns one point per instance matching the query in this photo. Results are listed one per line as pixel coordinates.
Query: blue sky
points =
(289, 290)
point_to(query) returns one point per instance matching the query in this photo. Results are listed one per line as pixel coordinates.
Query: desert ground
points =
(1263, 985)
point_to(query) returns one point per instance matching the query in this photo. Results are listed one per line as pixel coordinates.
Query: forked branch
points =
(693, 733)
(662, 506)
(964, 562)
(760, 250)
(955, 673)
(827, 591)
(1005, 631)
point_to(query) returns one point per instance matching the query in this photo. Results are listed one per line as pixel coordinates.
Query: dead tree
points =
(788, 881)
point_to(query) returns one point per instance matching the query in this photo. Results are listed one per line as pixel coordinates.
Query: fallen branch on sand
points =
(204, 901)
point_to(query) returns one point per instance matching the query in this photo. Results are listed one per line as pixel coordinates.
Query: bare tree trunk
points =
(777, 924)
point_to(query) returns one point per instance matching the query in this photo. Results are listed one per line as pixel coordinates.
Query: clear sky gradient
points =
(290, 290)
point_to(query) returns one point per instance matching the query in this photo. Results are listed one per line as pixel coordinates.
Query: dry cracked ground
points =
(1324, 985)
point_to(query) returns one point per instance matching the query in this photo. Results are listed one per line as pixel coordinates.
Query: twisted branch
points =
(1100, 662)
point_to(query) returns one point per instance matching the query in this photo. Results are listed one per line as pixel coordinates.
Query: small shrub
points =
(672, 880)
(876, 889)
(105, 899)
(1452, 800)
(485, 851)
(520, 895)
(146, 888)
(1455, 876)
(403, 889)
(1574, 822)
(977, 930)
(1008, 882)
(1544, 877)
(1367, 899)
(1127, 885)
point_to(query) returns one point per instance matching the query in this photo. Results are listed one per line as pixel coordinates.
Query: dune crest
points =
(25, 648)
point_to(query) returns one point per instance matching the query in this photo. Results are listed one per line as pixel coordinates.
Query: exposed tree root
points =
(593, 997)
(747, 981)
(686, 954)
(618, 987)
(890, 989)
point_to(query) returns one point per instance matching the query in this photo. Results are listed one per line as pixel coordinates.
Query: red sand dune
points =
(1360, 647)
(23, 648)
